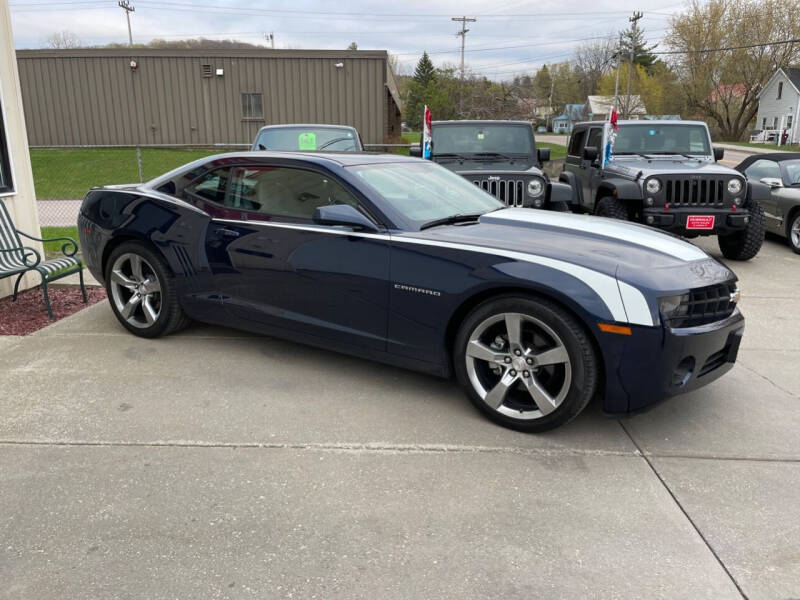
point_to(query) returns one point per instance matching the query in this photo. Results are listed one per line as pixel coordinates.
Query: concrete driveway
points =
(216, 464)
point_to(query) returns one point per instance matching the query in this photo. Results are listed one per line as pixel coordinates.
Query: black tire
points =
(171, 317)
(794, 225)
(576, 392)
(613, 208)
(745, 244)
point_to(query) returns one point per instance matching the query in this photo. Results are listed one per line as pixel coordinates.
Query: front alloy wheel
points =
(526, 364)
(794, 232)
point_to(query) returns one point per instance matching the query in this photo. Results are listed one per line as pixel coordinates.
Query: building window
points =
(6, 184)
(789, 122)
(775, 122)
(780, 89)
(252, 107)
(764, 123)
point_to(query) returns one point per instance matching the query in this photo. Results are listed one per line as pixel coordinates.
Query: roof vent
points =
(205, 70)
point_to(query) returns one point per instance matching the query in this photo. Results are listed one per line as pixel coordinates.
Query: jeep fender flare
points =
(571, 181)
(621, 188)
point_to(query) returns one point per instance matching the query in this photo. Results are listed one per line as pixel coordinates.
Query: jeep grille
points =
(706, 305)
(509, 192)
(691, 192)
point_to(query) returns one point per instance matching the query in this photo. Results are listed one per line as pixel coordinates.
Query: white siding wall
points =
(770, 107)
(22, 202)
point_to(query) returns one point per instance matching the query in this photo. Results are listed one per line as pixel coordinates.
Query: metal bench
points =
(16, 259)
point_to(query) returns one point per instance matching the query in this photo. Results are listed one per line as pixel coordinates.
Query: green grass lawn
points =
(556, 150)
(412, 137)
(54, 248)
(68, 173)
(770, 147)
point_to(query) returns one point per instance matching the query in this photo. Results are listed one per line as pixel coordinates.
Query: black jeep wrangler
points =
(665, 174)
(500, 157)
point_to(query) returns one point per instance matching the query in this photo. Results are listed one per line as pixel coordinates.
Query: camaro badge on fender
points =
(411, 288)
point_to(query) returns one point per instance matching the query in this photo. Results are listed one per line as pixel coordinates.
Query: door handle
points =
(225, 232)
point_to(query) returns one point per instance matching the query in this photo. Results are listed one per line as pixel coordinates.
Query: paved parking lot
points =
(216, 464)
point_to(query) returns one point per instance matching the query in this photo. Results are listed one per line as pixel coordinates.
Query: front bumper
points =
(658, 362)
(675, 220)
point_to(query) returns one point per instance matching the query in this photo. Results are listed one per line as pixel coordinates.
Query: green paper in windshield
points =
(307, 141)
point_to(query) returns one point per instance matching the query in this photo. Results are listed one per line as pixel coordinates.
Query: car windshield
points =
(307, 139)
(478, 139)
(421, 192)
(792, 170)
(662, 139)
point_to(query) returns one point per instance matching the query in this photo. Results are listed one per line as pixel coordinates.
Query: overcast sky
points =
(509, 37)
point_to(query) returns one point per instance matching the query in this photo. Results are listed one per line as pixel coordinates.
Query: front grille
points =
(706, 305)
(695, 192)
(715, 361)
(509, 192)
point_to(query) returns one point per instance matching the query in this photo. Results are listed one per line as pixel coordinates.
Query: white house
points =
(16, 177)
(597, 108)
(779, 106)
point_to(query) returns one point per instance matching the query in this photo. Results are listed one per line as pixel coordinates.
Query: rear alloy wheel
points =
(794, 232)
(141, 291)
(527, 364)
(745, 244)
(613, 208)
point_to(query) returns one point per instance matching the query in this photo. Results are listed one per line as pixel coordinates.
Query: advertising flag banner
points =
(426, 133)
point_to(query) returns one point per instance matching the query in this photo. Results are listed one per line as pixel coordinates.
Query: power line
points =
(726, 48)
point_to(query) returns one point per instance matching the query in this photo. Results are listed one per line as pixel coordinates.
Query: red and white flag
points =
(613, 119)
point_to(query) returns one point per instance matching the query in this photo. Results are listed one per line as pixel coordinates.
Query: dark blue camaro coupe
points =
(399, 260)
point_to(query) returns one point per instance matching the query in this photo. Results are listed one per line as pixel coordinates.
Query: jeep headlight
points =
(671, 307)
(653, 186)
(535, 187)
(734, 186)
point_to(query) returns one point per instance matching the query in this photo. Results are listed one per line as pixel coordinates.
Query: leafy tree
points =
(648, 88)
(421, 91)
(542, 83)
(633, 41)
(723, 85)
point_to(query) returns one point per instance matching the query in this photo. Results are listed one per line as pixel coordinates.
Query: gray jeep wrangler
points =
(665, 174)
(500, 157)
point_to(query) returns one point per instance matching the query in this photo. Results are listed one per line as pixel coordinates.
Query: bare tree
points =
(592, 61)
(723, 85)
(62, 40)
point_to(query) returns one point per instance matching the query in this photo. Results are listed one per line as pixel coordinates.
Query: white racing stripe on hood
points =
(615, 296)
(610, 228)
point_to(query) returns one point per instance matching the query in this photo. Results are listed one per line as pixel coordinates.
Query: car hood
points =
(484, 167)
(635, 254)
(678, 165)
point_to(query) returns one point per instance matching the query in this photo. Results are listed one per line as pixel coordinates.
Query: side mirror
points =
(772, 182)
(544, 154)
(415, 151)
(718, 153)
(590, 153)
(342, 214)
(559, 192)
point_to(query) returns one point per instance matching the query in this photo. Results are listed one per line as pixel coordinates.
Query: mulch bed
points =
(29, 314)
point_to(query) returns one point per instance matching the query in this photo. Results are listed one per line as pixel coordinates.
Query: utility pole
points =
(616, 83)
(126, 6)
(270, 37)
(463, 33)
(633, 20)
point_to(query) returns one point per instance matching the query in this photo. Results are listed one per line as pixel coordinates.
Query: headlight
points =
(674, 306)
(734, 186)
(653, 186)
(535, 187)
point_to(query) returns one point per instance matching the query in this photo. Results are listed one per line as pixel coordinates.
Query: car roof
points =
(481, 122)
(314, 125)
(776, 156)
(643, 122)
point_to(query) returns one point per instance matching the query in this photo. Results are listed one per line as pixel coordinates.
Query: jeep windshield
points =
(483, 142)
(307, 139)
(649, 140)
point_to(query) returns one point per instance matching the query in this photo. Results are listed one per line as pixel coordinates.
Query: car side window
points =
(283, 192)
(595, 138)
(576, 143)
(763, 168)
(211, 186)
